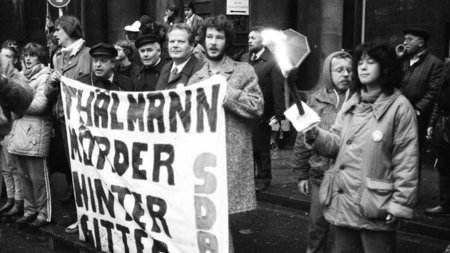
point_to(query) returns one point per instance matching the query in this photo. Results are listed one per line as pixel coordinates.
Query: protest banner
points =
(149, 168)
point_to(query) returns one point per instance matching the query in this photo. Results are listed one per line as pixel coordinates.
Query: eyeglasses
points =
(341, 70)
(409, 39)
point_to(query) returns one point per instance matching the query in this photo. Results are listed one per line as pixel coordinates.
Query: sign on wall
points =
(149, 168)
(237, 7)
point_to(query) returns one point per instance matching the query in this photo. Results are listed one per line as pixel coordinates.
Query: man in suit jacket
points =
(177, 72)
(271, 81)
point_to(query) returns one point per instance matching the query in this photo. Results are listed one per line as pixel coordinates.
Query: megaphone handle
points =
(295, 96)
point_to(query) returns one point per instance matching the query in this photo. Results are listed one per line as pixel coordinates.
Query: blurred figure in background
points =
(194, 22)
(438, 132)
(12, 176)
(124, 61)
(171, 15)
(271, 83)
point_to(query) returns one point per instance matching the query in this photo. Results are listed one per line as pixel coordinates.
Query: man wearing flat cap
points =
(421, 78)
(102, 75)
(149, 48)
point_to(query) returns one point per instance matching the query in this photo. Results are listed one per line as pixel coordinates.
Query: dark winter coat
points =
(420, 83)
(146, 78)
(271, 82)
(15, 96)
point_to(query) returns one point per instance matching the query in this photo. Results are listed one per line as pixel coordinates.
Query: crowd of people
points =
(360, 164)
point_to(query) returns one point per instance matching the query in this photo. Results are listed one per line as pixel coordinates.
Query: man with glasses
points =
(309, 166)
(421, 81)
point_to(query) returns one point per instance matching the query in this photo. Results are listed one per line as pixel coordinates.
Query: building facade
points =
(329, 25)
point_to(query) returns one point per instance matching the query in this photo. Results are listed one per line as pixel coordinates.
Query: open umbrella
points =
(290, 49)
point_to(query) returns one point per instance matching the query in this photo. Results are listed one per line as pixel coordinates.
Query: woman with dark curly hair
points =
(375, 143)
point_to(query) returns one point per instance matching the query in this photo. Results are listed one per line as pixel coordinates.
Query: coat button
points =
(349, 142)
(340, 191)
(342, 167)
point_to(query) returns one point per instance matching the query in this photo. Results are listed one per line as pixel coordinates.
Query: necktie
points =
(253, 58)
(173, 74)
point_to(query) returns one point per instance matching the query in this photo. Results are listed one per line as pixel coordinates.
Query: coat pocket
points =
(375, 198)
(326, 188)
(29, 137)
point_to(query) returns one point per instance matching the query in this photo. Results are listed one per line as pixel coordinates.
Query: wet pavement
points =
(271, 228)
(268, 229)
(14, 239)
(284, 191)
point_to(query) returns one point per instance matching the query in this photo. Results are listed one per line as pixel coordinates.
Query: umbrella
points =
(290, 49)
(297, 47)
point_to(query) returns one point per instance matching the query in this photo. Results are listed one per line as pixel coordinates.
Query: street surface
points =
(268, 229)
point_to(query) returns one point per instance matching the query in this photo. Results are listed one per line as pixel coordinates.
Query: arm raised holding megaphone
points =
(400, 50)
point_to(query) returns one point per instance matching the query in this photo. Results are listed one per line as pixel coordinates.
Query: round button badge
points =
(377, 136)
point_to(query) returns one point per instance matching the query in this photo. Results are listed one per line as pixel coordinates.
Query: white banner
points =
(149, 168)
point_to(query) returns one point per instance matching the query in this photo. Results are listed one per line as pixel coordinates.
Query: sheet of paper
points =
(302, 122)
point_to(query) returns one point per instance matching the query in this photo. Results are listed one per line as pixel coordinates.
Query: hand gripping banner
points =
(149, 168)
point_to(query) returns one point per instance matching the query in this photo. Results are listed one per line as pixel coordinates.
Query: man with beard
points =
(310, 166)
(177, 72)
(103, 75)
(271, 82)
(243, 102)
(149, 48)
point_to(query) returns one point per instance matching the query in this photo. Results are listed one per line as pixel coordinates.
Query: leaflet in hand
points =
(302, 122)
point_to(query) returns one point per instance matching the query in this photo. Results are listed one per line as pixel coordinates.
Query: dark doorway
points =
(351, 31)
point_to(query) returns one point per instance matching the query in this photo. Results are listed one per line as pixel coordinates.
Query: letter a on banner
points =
(149, 168)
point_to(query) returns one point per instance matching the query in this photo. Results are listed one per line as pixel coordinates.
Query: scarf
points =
(73, 49)
(29, 73)
(369, 99)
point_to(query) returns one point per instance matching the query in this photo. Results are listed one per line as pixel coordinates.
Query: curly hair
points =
(220, 23)
(390, 67)
(33, 48)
